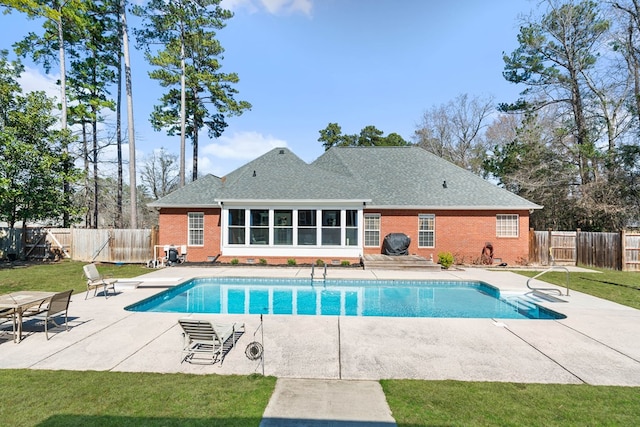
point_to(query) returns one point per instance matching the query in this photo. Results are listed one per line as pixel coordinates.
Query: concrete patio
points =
(596, 344)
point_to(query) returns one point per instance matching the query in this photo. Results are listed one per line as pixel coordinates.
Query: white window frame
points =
(508, 225)
(191, 227)
(367, 231)
(431, 218)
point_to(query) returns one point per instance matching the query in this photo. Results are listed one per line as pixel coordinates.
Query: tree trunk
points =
(183, 111)
(118, 221)
(94, 126)
(85, 159)
(133, 191)
(194, 175)
(66, 222)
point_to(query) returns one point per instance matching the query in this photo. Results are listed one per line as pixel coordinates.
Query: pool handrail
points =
(553, 267)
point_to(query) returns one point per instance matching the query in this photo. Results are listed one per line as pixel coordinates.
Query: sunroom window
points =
(283, 227)
(351, 228)
(259, 231)
(330, 227)
(236, 227)
(307, 227)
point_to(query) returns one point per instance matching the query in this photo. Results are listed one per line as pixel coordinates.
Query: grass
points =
(454, 403)
(73, 398)
(70, 398)
(622, 287)
(59, 276)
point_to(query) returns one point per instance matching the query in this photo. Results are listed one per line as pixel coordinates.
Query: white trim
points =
(453, 208)
(293, 202)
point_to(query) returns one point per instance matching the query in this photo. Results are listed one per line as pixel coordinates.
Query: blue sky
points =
(306, 63)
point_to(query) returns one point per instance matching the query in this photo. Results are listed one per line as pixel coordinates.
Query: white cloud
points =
(274, 7)
(230, 152)
(33, 80)
(239, 4)
(242, 145)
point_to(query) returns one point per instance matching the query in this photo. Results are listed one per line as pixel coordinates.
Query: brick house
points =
(341, 206)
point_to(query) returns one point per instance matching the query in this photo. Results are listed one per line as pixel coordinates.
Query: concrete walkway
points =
(596, 344)
(315, 403)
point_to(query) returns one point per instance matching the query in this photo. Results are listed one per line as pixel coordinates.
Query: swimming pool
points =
(386, 298)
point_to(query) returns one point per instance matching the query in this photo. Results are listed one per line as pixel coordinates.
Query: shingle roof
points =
(408, 177)
(199, 193)
(414, 177)
(281, 175)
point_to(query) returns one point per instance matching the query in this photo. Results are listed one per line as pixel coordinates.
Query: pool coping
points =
(596, 344)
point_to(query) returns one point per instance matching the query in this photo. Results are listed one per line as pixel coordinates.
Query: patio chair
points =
(5, 315)
(58, 305)
(96, 281)
(207, 340)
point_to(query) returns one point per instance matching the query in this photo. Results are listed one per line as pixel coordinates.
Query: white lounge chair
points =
(58, 305)
(206, 339)
(96, 281)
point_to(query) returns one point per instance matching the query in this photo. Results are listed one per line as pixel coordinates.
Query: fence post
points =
(623, 250)
(578, 245)
(532, 245)
(155, 231)
(549, 248)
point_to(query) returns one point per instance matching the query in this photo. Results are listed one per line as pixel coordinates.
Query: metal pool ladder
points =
(553, 267)
(324, 274)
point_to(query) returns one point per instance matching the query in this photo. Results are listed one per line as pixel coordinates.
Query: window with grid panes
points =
(372, 229)
(196, 228)
(507, 225)
(426, 230)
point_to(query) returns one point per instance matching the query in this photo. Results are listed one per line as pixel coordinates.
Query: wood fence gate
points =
(631, 251)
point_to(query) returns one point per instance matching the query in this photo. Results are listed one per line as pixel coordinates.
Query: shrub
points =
(291, 261)
(263, 261)
(345, 263)
(235, 261)
(445, 259)
(319, 262)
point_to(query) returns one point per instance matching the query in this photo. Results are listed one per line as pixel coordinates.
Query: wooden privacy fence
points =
(620, 251)
(79, 244)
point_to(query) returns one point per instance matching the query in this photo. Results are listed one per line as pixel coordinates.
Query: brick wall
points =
(463, 233)
(173, 230)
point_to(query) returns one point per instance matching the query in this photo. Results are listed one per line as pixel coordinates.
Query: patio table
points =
(20, 302)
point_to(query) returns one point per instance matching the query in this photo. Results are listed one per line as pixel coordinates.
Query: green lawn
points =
(59, 276)
(617, 286)
(69, 398)
(74, 398)
(455, 403)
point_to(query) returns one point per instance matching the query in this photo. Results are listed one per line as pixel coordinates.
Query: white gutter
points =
(297, 202)
(456, 207)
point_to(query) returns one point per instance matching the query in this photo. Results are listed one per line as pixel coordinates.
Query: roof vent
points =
(254, 173)
(281, 152)
(444, 184)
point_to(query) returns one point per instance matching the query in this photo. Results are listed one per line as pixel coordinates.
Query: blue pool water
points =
(459, 299)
